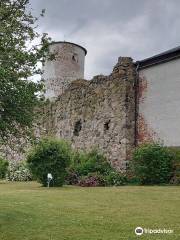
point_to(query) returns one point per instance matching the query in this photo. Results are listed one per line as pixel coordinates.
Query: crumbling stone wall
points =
(97, 113)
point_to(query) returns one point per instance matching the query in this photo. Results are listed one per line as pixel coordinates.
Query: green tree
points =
(19, 59)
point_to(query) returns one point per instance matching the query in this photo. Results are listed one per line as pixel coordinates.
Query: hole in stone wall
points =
(127, 98)
(107, 125)
(77, 128)
(75, 57)
(127, 165)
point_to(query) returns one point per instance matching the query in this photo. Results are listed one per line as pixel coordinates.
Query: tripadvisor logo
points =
(139, 231)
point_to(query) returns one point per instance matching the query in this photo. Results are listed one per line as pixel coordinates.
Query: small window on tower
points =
(75, 57)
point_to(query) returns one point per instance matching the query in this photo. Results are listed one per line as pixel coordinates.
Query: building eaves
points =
(166, 56)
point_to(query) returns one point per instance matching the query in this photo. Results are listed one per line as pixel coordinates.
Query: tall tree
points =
(18, 62)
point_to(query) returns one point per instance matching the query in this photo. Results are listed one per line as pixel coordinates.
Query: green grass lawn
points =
(29, 211)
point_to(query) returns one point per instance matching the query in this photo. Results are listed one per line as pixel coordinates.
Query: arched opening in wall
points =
(107, 125)
(77, 128)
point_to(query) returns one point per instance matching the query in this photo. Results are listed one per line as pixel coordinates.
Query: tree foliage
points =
(19, 59)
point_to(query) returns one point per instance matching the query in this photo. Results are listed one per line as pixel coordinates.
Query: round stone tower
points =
(67, 66)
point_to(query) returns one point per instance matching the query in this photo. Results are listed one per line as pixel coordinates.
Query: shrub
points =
(176, 173)
(116, 179)
(3, 167)
(176, 165)
(50, 156)
(72, 177)
(152, 164)
(85, 163)
(18, 172)
(130, 176)
(90, 169)
(92, 180)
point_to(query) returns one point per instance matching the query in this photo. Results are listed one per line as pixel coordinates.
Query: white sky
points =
(112, 28)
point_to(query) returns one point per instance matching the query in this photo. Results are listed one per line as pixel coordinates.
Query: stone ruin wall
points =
(98, 113)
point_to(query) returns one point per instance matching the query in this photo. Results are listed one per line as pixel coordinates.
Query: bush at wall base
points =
(116, 179)
(91, 169)
(92, 180)
(18, 171)
(176, 165)
(152, 164)
(84, 163)
(176, 174)
(49, 156)
(97, 179)
(3, 167)
(72, 177)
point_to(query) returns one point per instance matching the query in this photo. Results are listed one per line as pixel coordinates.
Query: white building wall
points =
(68, 66)
(159, 103)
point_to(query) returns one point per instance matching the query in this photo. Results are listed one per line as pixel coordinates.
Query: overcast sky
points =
(112, 28)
